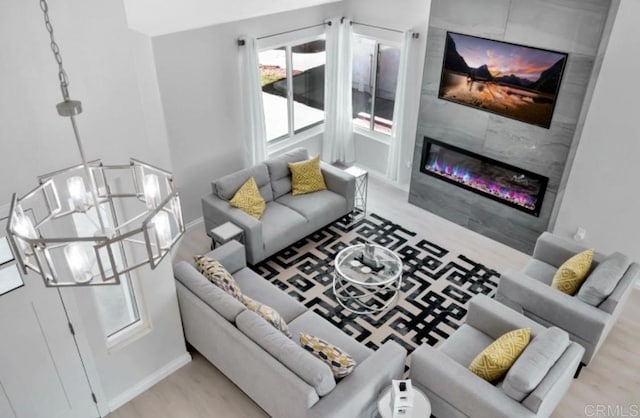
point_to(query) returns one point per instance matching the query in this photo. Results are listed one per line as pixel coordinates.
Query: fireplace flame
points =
(464, 176)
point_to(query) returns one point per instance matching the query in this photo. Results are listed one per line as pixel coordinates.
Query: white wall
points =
(154, 17)
(411, 15)
(602, 193)
(199, 81)
(120, 120)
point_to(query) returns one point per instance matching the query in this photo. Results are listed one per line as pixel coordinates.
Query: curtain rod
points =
(415, 35)
(328, 23)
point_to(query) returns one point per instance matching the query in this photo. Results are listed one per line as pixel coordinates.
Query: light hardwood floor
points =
(199, 390)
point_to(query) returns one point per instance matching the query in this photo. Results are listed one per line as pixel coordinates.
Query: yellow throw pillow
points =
(495, 361)
(306, 176)
(249, 199)
(341, 363)
(573, 272)
(268, 314)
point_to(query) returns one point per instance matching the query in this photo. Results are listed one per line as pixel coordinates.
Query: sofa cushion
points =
(320, 208)
(306, 177)
(279, 170)
(341, 363)
(267, 313)
(249, 199)
(279, 225)
(218, 275)
(258, 288)
(535, 362)
(572, 273)
(495, 361)
(227, 186)
(220, 301)
(604, 279)
(465, 344)
(307, 367)
(312, 323)
(540, 271)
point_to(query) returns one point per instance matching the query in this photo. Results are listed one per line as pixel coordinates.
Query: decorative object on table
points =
(368, 258)
(53, 241)
(367, 291)
(224, 233)
(402, 395)
(421, 406)
(362, 185)
(437, 282)
(518, 82)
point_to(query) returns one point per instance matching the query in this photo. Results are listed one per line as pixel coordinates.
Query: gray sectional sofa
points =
(276, 372)
(287, 218)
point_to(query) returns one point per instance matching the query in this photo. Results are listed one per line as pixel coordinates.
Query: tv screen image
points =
(511, 80)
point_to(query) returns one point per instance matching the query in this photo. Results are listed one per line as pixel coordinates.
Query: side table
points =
(224, 233)
(362, 184)
(421, 406)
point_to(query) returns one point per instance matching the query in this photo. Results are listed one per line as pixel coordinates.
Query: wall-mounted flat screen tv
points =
(516, 81)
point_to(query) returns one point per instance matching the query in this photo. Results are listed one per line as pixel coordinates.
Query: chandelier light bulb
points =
(77, 193)
(151, 191)
(163, 229)
(80, 262)
(23, 226)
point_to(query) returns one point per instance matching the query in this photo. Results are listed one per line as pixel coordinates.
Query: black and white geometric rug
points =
(436, 287)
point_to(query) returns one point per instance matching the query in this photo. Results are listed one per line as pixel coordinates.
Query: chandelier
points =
(67, 229)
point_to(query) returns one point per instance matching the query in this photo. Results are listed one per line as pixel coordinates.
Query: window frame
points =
(292, 135)
(379, 40)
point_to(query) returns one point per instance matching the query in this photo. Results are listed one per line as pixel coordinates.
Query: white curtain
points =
(255, 132)
(402, 115)
(338, 144)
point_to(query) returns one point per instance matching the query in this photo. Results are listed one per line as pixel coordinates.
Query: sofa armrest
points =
(217, 211)
(495, 319)
(340, 182)
(356, 393)
(231, 255)
(460, 388)
(555, 307)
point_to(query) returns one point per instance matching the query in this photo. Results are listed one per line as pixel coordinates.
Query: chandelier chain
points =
(62, 74)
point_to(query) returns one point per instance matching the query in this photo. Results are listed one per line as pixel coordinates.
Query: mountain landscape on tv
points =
(511, 80)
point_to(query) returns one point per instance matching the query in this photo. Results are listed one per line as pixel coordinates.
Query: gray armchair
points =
(588, 322)
(454, 391)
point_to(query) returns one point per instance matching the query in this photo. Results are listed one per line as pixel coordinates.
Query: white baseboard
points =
(148, 382)
(194, 223)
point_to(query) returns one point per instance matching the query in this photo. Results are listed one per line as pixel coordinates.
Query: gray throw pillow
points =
(535, 362)
(604, 279)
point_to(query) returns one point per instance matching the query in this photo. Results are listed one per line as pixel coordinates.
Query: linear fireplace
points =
(494, 179)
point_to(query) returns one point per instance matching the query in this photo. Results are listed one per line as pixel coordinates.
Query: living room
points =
(164, 84)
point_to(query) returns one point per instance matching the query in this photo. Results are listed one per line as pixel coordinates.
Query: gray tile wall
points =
(572, 26)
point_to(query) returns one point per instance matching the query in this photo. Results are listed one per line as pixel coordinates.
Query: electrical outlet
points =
(580, 234)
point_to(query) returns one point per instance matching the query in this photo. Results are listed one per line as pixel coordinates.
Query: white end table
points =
(224, 233)
(421, 406)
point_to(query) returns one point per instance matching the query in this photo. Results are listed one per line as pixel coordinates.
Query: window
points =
(292, 87)
(10, 278)
(119, 310)
(375, 77)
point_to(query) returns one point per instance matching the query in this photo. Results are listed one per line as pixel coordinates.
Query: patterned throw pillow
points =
(495, 361)
(306, 176)
(268, 314)
(249, 199)
(573, 272)
(341, 363)
(218, 275)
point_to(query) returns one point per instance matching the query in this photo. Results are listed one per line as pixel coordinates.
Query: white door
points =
(41, 372)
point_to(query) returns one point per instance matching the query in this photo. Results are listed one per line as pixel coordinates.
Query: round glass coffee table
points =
(364, 290)
(421, 406)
